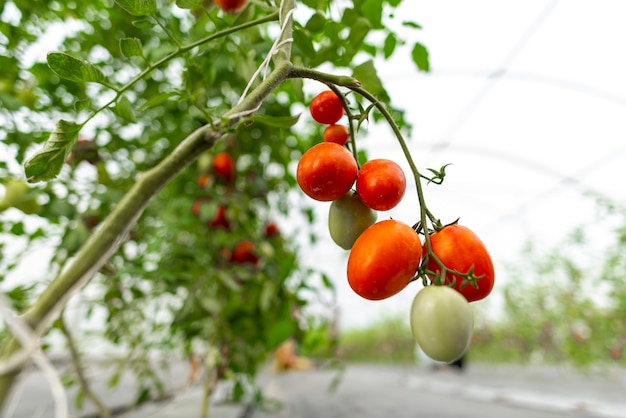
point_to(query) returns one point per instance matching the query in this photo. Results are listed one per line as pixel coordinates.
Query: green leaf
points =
(358, 32)
(275, 121)
(390, 45)
(138, 7)
(158, 99)
(124, 109)
(131, 47)
(143, 23)
(316, 23)
(410, 24)
(188, 4)
(420, 57)
(48, 161)
(74, 69)
(372, 10)
(279, 332)
(366, 74)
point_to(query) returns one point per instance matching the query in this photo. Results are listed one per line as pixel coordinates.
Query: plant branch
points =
(83, 382)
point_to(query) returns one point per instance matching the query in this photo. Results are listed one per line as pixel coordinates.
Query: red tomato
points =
(380, 184)
(203, 180)
(231, 6)
(271, 229)
(336, 133)
(196, 206)
(244, 253)
(326, 108)
(326, 171)
(460, 249)
(384, 259)
(220, 219)
(224, 166)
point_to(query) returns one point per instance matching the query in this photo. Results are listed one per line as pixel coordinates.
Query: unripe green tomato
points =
(348, 217)
(14, 192)
(442, 323)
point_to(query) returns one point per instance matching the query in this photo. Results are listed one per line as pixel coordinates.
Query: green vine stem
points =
(106, 240)
(344, 103)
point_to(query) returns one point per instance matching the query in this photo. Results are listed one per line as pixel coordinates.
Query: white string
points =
(22, 332)
(264, 67)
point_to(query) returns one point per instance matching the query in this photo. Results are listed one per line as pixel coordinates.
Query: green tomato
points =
(442, 323)
(348, 217)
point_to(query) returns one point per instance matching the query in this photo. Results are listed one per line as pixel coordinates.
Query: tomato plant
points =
(326, 171)
(348, 217)
(384, 259)
(337, 134)
(231, 6)
(442, 323)
(381, 184)
(326, 108)
(460, 249)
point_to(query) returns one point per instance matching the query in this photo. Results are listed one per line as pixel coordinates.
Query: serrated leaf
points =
(124, 109)
(131, 47)
(48, 161)
(366, 74)
(138, 7)
(74, 69)
(420, 57)
(188, 4)
(275, 121)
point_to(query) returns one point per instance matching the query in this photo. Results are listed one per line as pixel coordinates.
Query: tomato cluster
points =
(216, 215)
(386, 256)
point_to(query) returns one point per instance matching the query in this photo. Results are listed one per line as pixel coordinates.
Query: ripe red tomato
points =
(460, 249)
(384, 259)
(231, 6)
(224, 166)
(220, 219)
(326, 108)
(381, 184)
(244, 253)
(271, 229)
(336, 133)
(326, 171)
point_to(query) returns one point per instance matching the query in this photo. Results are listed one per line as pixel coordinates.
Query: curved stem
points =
(83, 381)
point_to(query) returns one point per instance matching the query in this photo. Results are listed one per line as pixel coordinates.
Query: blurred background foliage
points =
(176, 285)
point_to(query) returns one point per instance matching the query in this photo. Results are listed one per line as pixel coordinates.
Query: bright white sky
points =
(524, 145)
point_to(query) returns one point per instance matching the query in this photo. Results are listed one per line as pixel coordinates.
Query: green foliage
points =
(388, 340)
(565, 304)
